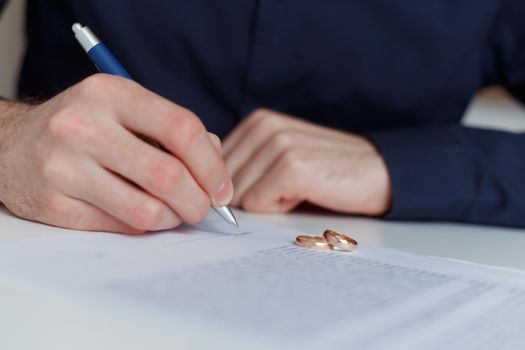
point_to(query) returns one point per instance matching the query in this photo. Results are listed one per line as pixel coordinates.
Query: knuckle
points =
(60, 124)
(291, 161)
(187, 126)
(165, 176)
(198, 213)
(70, 125)
(268, 124)
(55, 170)
(96, 85)
(259, 113)
(281, 141)
(145, 215)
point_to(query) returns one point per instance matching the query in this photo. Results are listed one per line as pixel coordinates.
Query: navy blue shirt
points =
(401, 72)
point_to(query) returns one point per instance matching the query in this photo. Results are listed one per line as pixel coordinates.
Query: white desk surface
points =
(482, 244)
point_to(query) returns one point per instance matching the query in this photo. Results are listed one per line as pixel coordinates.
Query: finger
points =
(122, 200)
(176, 128)
(182, 133)
(233, 139)
(259, 163)
(274, 118)
(279, 190)
(265, 119)
(256, 166)
(79, 215)
(216, 142)
(157, 172)
(250, 141)
(263, 126)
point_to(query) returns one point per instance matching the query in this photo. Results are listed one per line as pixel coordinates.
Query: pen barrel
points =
(106, 62)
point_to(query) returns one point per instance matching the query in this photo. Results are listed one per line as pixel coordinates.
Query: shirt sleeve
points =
(457, 173)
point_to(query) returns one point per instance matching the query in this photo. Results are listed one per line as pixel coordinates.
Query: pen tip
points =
(227, 215)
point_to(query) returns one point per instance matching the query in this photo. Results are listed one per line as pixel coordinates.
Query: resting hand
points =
(277, 162)
(75, 161)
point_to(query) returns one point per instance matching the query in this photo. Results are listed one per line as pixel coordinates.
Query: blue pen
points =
(107, 63)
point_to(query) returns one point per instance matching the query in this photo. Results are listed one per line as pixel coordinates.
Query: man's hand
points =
(75, 161)
(277, 162)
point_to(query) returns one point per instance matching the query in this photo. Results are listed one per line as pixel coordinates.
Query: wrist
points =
(10, 113)
(379, 175)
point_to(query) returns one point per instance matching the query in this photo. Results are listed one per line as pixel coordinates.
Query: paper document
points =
(255, 289)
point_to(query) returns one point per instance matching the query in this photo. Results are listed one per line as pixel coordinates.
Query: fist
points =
(76, 161)
(277, 162)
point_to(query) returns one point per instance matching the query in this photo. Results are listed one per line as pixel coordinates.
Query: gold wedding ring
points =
(312, 242)
(331, 240)
(339, 241)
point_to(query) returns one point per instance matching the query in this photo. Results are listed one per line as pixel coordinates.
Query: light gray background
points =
(11, 45)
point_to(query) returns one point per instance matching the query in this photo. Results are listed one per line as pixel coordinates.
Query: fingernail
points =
(224, 194)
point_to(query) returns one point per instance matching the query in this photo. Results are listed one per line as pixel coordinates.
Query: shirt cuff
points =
(431, 172)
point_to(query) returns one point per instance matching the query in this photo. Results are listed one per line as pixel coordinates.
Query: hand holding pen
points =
(75, 161)
(107, 63)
